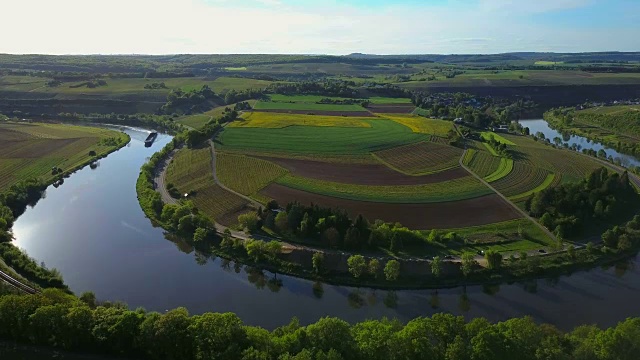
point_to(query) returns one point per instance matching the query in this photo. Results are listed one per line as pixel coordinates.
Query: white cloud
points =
(220, 26)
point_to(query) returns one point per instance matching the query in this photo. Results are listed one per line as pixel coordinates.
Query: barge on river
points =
(150, 139)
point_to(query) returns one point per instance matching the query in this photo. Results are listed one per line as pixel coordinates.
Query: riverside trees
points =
(55, 318)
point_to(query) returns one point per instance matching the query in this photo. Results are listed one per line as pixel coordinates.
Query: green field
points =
(452, 190)
(245, 174)
(194, 121)
(315, 140)
(190, 171)
(29, 150)
(299, 106)
(280, 120)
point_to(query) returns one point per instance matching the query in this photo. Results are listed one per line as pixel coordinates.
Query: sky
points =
(317, 27)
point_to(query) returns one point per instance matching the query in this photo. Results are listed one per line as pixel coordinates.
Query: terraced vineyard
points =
(481, 163)
(570, 165)
(420, 158)
(504, 168)
(245, 174)
(190, 171)
(523, 179)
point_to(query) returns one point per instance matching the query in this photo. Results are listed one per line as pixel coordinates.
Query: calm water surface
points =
(93, 230)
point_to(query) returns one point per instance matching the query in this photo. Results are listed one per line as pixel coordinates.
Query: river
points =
(540, 125)
(92, 229)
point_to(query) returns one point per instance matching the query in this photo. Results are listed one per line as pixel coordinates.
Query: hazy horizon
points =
(306, 27)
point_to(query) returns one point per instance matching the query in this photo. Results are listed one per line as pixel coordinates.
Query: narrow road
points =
(160, 180)
(524, 213)
(17, 284)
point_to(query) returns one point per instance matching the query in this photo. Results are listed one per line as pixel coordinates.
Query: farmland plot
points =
(190, 171)
(246, 174)
(452, 190)
(421, 158)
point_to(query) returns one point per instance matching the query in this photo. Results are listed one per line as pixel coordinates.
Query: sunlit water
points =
(93, 230)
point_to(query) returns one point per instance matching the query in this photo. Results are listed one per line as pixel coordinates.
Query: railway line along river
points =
(92, 229)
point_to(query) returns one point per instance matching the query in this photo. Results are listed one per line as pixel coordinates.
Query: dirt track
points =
(361, 174)
(446, 215)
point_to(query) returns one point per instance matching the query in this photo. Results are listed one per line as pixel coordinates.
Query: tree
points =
(317, 260)
(255, 249)
(392, 270)
(282, 223)
(272, 249)
(436, 267)
(218, 336)
(89, 298)
(624, 243)
(468, 263)
(494, 259)
(331, 237)
(200, 235)
(249, 221)
(357, 265)
(374, 267)
(610, 239)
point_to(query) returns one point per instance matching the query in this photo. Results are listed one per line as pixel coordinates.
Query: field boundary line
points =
(522, 212)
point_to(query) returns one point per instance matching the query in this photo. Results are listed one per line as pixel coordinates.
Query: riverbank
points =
(30, 191)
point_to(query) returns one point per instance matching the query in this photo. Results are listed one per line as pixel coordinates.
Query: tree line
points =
(570, 208)
(54, 318)
(333, 228)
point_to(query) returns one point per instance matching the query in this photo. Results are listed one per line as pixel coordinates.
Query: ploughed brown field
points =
(360, 174)
(391, 108)
(444, 215)
(318, 112)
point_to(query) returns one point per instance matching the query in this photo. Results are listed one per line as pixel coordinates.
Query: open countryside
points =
(270, 205)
